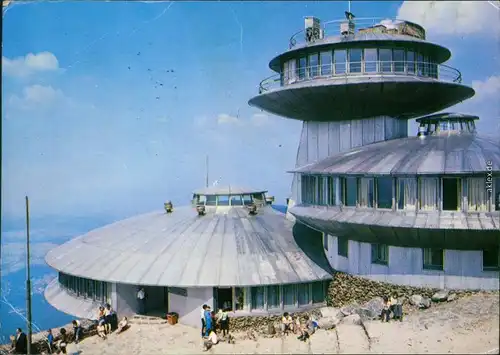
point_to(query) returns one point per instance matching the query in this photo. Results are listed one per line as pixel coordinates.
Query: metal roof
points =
(59, 298)
(447, 116)
(432, 155)
(227, 247)
(227, 190)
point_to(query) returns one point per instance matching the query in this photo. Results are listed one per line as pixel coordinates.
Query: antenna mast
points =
(349, 6)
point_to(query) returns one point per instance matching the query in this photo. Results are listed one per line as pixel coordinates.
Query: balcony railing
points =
(386, 69)
(365, 25)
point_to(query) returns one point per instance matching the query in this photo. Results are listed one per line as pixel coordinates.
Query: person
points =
(20, 342)
(203, 324)
(50, 341)
(214, 321)
(141, 299)
(396, 308)
(386, 310)
(286, 323)
(307, 330)
(224, 322)
(101, 331)
(211, 341)
(108, 318)
(63, 341)
(208, 321)
(77, 330)
(123, 325)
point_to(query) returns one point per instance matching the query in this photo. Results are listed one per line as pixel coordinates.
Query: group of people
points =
(304, 330)
(211, 322)
(391, 305)
(107, 321)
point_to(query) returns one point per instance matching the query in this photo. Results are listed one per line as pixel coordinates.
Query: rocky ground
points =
(466, 325)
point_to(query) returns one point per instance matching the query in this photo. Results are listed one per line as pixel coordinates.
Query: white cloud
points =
(259, 119)
(14, 255)
(29, 64)
(36, 96)
(224, 118)
(490, 88)
(452, 17)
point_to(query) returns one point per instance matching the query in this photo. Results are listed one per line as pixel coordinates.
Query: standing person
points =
(111, 318)
(63, 342)
(21, 342)
(208, 321)
(203, 324)
(77, 330)
(386, 310)
(224, 322)
(141, 298)
(50, 341)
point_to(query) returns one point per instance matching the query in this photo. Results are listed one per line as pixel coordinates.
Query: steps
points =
(140, 319)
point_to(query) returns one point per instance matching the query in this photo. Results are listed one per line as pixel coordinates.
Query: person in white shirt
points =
(202, 314)
(141, 298)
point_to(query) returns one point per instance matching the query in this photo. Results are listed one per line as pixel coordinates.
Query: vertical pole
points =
(206, 177)
(349, 6)
(28, 277)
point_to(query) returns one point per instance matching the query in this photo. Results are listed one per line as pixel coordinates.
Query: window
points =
(289, 296)
(318, 292)
(491, 259)
(223, 200)
(321, 190)
(380, 254)
(211, 200)
(407, 193)
(451, 194)
(308, 189)
(433, 259)
(366, 192)
(428, 194)
(340, 58)
(247, 200)
(477, 196)
(313, 65)
(303, 294)
(239, 298)
(236, 200)
(385, 60)
(349, 190)
(201, 199)
(292, 71)
(258, 198)
(355, 56)
(433, 69)
(284, 75)
(384, 192)
(370, 60)
(325, 241)
(273, 297)
(425, 66)
(410, 62)
(332, 184)
(420, 64)
(343, 246)
(301, 68)
(399, 60)
(258, 297)
(326, 63)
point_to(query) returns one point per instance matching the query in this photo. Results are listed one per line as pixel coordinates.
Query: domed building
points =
(420, 210)
(229, 249)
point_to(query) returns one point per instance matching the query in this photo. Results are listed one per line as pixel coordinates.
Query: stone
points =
(452, 297)
(349, 309)
(271, 330)
(440, 296)
(420, 301)
(372, 309)
(328, 312)
(327, 323)
(353, 319)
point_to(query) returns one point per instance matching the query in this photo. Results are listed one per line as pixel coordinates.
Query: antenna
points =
(206, 177)
(349, 6)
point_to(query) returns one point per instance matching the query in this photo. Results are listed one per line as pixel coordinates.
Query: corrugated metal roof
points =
(227, 190)
(433, 155)
(447, 116)
(227, 247)
(80, 307)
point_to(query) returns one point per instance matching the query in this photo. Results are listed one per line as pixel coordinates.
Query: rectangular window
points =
(309, 189)
(380, 254)
(303, 294)
(258, 297)
(407, 193)
(384, 192)
(289, 296)
(355, 56)
(428, 194)
(349, 191)
(239, 298)
(301, 68)
(370, 60)
(385, 60)
(433, 259)
(236, 200)
(477, 196)
(451, 194)
(325, 241)
(321, 190)
(399, 60)
(247, 200)
(425, 65)
(292, 71)
(211, 200)
(273, 297)
(340, 58)
(433, 69)
(331, 183)
(420, 64)
(201, 200)
(366, 192)
(318, 292)
(223, 200)
(343, 246)
(491, 259)
(410, 62)
(285, 75)
(326, 63)
(313, 65)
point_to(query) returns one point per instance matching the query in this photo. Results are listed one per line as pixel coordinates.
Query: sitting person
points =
(396, 308)
(286, 323)
(101, 330)
(77, 331)
(19, 342)
(63, 342)
(307, 330)
(386, 310)
(101, 316)
(108, 317)
(123, 325)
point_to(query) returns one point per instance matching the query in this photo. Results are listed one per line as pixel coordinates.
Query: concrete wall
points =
(188, 307)
(126, 300)
(462, 269)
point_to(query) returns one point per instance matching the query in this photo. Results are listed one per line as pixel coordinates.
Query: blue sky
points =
(88, 130)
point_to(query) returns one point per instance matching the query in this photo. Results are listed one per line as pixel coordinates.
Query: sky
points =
(110, 108)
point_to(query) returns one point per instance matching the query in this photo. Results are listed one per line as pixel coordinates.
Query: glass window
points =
(399, 60)
(321, 190)
(331, 183)
(239, 298)
(426, 66)
(247, 200)
(292, 71)
(385, 57)
(318, 292)
(285, 76)
(211, 200)
(384, 192)
(433, 259)
(491, 259)
(433, 69)
(428, 194)
(303, 294)
(201, 200)
(301, 68)
(366, 192)
(223, 200)
(370, 60)
(273, 297)
(407, 193)
(343, 246)
(350, 191)
(420, 64)
(308, 189)
(477, 195)
(355, 56)
(325, 241)
(410, 62)
(340, 58)
(236, 200)
(380, 254)
(313, 65)
(258, 297)
(289, 296)
(326, 63)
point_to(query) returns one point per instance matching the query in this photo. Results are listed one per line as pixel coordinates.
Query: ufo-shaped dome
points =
(227, 246)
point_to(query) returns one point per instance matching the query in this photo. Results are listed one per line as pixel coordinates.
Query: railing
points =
(365, 25)
(439, 72)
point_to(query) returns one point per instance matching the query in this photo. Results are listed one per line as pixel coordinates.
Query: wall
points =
(188, 307)
(462, 269)
(126, 300)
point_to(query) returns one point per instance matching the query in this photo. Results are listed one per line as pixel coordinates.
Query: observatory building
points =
(419, 210)
(230, 249)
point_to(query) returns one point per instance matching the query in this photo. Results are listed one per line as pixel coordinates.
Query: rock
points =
(367, 314)
(452, 297)
(349, 309)
(271, 330)
(330, 312)
(440, 296)
(353, 319)
(327, 323)
(372, 309)
(420, 301)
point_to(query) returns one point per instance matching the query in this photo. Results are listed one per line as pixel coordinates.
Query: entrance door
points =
(451, 192)
(223, 298)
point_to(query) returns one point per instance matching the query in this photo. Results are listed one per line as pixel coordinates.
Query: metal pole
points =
(206, 177)
(349, 6)
(28, 277)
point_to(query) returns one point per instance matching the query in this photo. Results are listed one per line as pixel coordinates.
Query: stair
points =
(140, 319)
